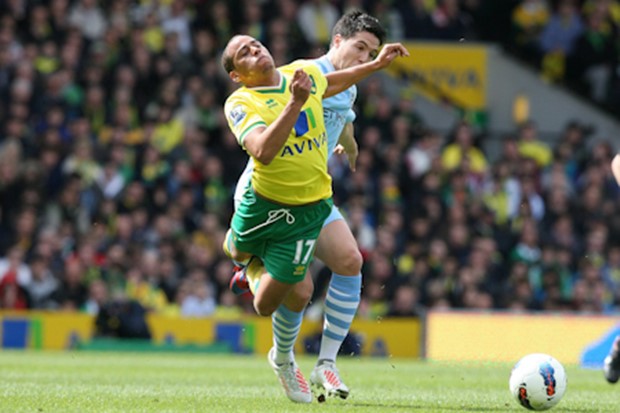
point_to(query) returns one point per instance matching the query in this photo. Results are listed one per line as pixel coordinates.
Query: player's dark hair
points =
(227, 57)
(227, 62)
(357, 21)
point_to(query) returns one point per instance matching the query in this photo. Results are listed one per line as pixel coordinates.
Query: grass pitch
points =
(166, 382)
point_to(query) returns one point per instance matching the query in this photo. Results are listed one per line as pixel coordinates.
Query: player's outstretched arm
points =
(341, 80)
(615, 167)
(265, 143)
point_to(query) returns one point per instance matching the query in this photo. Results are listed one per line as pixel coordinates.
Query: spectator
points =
(528, 20)
(97, 297)
(72, 293)
(14, 269)
(405, 303)
(43, 285)
(462, 150)
(316, 18)
(178, 21)
(530, 146)
(416, 19)
(142, 291)
(558, 38)
(422, 153)
(199, 302)
(88, 18)
(447, 22)
(594, 57)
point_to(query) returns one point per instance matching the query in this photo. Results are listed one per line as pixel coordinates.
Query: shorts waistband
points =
(264, 198)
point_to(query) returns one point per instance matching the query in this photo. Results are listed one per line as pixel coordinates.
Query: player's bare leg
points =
(338, 249)
(238, 283)
(286, 308)
(239, 258)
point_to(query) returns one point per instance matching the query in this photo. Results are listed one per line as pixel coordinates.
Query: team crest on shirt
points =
(237, 114)
(313, 87)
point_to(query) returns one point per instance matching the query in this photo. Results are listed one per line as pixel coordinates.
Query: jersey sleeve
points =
(318, 78)
(319, 81)
(350, 116)
(242, 117)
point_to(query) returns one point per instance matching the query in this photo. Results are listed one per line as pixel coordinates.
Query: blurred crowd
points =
(117, 167)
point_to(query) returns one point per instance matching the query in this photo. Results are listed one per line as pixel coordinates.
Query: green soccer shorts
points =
(283, 237)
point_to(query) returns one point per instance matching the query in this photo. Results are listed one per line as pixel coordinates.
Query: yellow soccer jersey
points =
(298, 174)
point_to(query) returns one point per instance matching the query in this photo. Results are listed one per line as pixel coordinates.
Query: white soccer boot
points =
(326, 381)
(292, 380)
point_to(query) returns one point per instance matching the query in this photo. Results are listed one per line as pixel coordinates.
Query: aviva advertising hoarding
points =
(245, 334)
(456, 72)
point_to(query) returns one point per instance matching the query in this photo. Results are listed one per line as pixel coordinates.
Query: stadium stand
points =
(117, 168)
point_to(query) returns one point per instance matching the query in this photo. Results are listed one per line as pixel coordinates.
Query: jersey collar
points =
(324, 61)
(271, 89)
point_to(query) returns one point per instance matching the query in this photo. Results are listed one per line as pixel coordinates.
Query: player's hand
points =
(339, 149)
(389, 52)
(352, 155)
(300, 86)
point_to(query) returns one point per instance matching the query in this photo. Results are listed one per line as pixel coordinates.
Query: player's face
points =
(250, 58)
(361, 48)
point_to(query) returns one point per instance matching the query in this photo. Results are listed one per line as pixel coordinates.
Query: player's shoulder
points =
(240, 95)
(295, 64)
(324, 64)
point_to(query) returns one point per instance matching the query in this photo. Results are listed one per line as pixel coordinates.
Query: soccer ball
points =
(538, 381)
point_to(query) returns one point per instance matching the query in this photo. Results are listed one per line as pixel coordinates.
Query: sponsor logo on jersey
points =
(304, 145)
(305, 122)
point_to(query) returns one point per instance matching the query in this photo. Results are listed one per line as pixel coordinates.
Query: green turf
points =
(161, 382)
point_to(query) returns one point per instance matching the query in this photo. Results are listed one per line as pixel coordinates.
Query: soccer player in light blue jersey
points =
(356, 39)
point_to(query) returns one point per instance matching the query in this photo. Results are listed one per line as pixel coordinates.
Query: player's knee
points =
(236, 255)
(231, 251)
(264, 309)
(239, 256)
(350, 263)
(303, 294)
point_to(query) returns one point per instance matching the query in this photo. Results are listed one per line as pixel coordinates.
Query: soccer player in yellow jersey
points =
(277, 117)
(356, 39)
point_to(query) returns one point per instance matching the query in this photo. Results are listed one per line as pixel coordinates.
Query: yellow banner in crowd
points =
(453, 71)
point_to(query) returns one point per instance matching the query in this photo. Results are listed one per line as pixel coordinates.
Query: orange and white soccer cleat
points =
(292, 379)
(326, 381)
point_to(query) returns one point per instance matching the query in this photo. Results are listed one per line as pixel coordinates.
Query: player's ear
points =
(336, 40)
(234, 76)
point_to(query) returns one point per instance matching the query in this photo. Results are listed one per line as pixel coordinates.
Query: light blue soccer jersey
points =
(337, 111)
